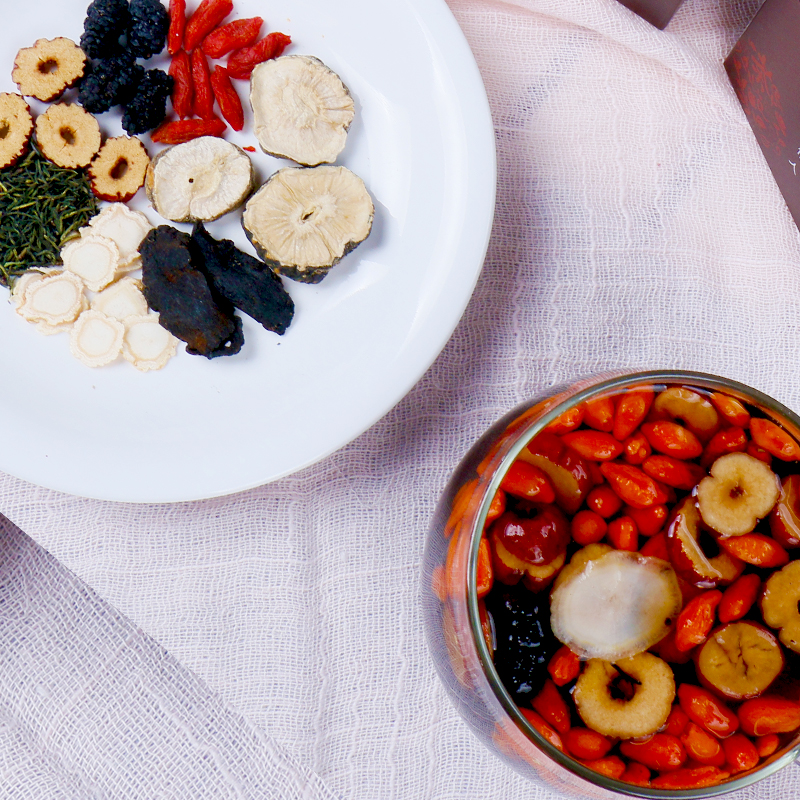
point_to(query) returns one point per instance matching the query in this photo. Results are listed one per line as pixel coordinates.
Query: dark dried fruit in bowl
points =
(110, 82)
(147, 34)
(148, 107)
(106, 21)
(244, 281)
(181, 295)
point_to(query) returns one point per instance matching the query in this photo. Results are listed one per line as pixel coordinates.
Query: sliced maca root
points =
(54, 299)
(118, 170)
(47, 69)
(147, 344)
(122, 299)
(68, 135)
(180, 294)
(303, 221)
(16, 127)
(301, 109)
(94, 259)
(244, 281)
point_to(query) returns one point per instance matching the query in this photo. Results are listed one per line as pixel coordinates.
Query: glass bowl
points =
(459, 630)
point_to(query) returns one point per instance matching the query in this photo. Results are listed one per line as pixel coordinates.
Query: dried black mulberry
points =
(111, 82)
(106, 22)
(148, 107)
(147, 34)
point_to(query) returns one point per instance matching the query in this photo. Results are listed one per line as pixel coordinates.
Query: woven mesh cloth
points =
(637, 226)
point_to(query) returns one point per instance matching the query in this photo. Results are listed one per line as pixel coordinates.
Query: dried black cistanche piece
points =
(656, 12)
(181, 295)
(243, 280)
(763, 68)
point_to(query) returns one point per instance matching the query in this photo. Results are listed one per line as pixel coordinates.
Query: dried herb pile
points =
(41, 206)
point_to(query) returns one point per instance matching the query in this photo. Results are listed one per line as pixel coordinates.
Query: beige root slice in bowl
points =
(200, 180)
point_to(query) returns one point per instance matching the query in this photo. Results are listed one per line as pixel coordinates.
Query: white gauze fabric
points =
(637, 226)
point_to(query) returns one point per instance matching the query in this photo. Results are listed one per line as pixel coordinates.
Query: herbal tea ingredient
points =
(41, 207)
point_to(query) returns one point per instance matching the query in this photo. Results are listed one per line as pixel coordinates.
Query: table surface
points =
(269, 644)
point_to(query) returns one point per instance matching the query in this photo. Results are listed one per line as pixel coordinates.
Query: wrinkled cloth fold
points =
(637, 226)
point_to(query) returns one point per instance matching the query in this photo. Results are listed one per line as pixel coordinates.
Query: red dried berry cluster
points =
(191, 42)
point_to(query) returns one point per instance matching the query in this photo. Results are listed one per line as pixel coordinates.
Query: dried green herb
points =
(41, 207)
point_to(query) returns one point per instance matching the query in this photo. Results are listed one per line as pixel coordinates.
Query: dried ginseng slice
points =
(94, 258)
(118, 170)
(16, 126)
(68, 135)
(147, 345)
(122, 299)
(125, 227)
(95, 339)
(55, 299)
(45, 70)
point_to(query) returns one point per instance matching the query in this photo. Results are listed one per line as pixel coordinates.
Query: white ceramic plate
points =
(423, 143)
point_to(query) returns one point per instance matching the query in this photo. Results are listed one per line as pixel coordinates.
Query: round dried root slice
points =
(118, 171)
(125, 227)
(199, 180)
(739, 491)
(740, 660)
(96, 339)
(16, 126)
(606, 705)
(616, 605)
(68, 135)
(146, 344)
(301, 109)
(93, 258)
(303, 221)
(121, 300)
(780, 604)
(45, 70)
(22, 283)
(54, 299)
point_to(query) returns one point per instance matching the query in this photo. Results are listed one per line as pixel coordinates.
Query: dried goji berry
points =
(637, 774)
(227, 98)
(672, 439)
(594, 445)
(695, 778)
(760, 453)
(767, 744)
(676, 721)
(201, 80)
(603, 500)
(696, 620)
(611, 766)
(177, 25)
(496, 507)
(661, 752)
(242, 62)
(547, 731)
(208, 15)
(774, 439)
(622, 534)
(182, 91)
(656, 547)
(484, 575)
(740, 753)
(588, 527)
(552, 706)
(702, 746)
(769, 714)
(599, 414)
(730, 408)
(636, 449)
(631, 485)
(233, 36)
(528, 482)
(564, 666)
(738, 598)
(567, 421)
(630, 412)
(586, 744)
(673, 472)
(728, 440)
(666, 648)
(756, 549)
(707, 710)
(649, 521)
(184, 130)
